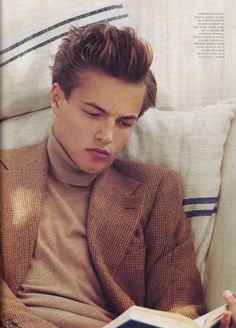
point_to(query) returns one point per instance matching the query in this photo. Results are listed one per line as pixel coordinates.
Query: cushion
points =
(221, 264)
(26, 129)
(26, 52)
(191, 143)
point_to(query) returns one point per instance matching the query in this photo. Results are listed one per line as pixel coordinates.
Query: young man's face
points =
(94, 124)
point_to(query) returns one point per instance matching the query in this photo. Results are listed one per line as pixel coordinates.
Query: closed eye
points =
(92, 114)
(126, 122)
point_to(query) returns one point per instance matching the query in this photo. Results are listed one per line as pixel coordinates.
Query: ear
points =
(56, 96)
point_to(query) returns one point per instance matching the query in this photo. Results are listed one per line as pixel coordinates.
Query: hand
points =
(229, 317)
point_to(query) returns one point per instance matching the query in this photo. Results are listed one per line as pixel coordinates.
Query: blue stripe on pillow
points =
(190, 214)
(57, 37)
(66, 21)
(200, 200)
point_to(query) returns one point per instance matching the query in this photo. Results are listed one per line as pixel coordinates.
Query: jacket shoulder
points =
(143, 172)
(10, 158)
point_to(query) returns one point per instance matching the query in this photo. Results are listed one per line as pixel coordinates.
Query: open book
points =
(140, 317)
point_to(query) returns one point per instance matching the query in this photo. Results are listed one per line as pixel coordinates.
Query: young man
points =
(85, 236)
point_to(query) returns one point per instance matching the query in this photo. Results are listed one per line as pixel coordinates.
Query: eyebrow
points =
(102, 110)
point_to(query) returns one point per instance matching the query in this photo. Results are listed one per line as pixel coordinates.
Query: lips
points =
(100, 151)
(98, 154)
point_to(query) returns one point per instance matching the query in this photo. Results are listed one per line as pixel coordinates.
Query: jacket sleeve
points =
(172, 279)
(15, 314)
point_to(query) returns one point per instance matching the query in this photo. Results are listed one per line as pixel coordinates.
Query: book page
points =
(145, 317)
(211, 318)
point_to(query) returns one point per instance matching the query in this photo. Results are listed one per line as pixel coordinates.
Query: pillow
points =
(27, 51)
(26, 129)
(191, 143)
(221, 264)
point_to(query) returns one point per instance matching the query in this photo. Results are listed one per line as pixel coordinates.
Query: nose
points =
(105, 132)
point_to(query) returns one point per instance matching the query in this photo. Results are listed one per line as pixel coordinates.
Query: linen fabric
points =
(220, 261)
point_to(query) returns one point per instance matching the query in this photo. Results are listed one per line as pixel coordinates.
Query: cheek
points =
(73, 125)
(122, 139)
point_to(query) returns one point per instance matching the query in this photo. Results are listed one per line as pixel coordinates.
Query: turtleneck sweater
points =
(61, 284)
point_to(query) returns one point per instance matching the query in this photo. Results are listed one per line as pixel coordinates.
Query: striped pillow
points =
(191, 143)
(30, 36)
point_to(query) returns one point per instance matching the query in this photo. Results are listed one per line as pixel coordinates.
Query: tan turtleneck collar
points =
(63, 168)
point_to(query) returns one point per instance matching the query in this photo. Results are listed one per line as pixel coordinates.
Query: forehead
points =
(110, 93)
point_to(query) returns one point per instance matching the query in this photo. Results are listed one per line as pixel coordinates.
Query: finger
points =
(225, 320)
(233, 317)
(230, 298)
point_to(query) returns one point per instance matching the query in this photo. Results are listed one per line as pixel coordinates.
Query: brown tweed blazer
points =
(139, 239)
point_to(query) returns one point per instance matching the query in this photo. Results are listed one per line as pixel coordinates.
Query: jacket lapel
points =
(24, 178)
(114, 213)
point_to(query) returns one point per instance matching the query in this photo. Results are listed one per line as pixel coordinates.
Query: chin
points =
(89, 170)
(95, 171)
(92, 168)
